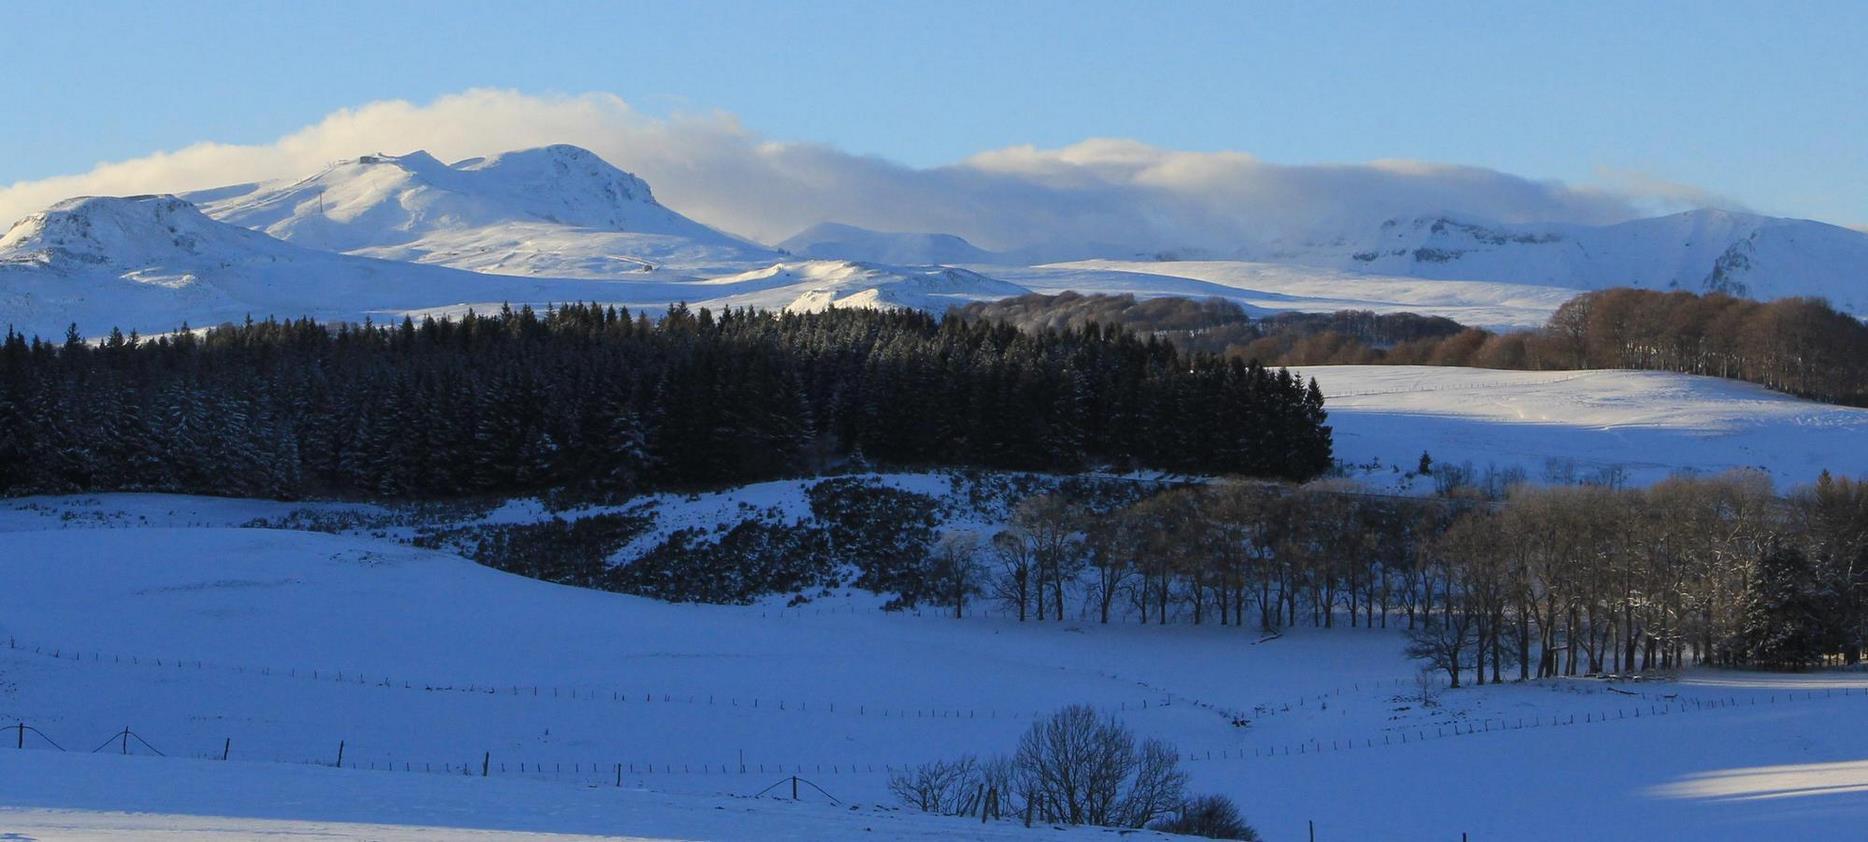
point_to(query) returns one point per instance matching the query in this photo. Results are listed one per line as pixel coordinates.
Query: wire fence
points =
(1464, 728)
(589, 693)
(591, 772)
(128, 741)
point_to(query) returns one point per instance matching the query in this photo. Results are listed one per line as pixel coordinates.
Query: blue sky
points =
(1765, 107)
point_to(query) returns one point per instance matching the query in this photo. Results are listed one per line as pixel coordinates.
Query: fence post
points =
(22, 734)
(226, 748)
(619, 774)
(340, 754)
(126, 739)
(486, 763)
(794, 787)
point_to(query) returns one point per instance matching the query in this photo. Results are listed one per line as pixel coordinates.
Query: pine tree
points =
(1782, 625)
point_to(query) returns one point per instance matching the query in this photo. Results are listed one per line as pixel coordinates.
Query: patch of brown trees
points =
(1798, 345)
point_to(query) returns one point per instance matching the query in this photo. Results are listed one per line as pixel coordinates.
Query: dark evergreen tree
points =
(593, 399)
(1784, 624)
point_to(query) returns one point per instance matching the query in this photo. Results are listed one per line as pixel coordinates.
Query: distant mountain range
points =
(386, 235)
(1741, 254)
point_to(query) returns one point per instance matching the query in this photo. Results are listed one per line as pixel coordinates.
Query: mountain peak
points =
(382, 201)
(127, 231)
(557, 210)
(571, 174)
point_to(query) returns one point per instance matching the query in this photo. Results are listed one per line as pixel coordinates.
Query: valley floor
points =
(597, 713)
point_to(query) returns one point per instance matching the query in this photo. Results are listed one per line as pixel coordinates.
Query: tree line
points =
(597, 400)
(1547, 581)
(1802, 346)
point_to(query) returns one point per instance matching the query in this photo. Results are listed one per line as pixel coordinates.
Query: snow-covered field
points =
(1269, 287)
(1574, 425)
(152, 612)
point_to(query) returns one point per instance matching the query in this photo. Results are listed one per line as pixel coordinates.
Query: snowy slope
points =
(1696, 251)
(420, 660)
(1646, 425)
(814, 285)
(558, 211)
(1268, 287)
(832, 240)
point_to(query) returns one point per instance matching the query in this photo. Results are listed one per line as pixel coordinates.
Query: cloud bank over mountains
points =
(1109, 192)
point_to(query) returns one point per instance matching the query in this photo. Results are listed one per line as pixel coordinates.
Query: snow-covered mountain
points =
(1696, 251)
(151, 263)
(836, 241)
(557, 211)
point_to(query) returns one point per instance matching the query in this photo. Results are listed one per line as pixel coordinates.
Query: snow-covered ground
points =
(151, 612)
(1574, 425)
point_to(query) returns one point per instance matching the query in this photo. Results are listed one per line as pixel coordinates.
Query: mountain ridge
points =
(555, 210)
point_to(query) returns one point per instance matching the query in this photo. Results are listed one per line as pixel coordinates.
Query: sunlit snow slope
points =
(558, 211)
(1573, 425)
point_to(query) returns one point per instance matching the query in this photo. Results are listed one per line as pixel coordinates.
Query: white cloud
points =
(712, 168)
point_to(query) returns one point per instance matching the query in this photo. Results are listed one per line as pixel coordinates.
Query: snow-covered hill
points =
(1637, 427)
(557, 211)
(1697, 251)
(831, 240)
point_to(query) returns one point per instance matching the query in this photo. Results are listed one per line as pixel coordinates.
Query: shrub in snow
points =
(1212, 816)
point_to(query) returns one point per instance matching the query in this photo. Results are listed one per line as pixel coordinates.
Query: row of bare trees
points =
(1546, 581)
